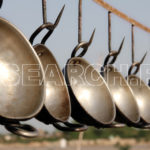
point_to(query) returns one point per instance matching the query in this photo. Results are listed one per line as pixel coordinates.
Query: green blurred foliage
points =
(126, 132)
(91, 134)
(124, 147)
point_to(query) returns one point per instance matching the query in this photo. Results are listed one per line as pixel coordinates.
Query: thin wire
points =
(132, 35)
(80, 22)
(109, 31)
(44, 11)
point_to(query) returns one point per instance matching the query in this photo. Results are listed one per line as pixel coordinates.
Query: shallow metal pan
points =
(91, 100)
(20, 98)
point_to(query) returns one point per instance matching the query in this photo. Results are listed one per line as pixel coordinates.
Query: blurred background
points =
(27, 16)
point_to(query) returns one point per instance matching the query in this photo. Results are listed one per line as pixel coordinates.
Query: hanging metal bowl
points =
(91, 100)
(22, 76)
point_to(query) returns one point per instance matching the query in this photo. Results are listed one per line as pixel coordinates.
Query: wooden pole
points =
(122, 15)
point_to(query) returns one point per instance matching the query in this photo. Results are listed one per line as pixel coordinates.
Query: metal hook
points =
(84, 45)
(44, 8)
(142, 60)
(51, 27)
(134, 64)
(91, 38)
(137, 65)
(112, 53)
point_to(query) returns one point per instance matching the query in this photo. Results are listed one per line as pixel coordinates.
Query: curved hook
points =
(37, 31)
(84, 45)
(22, 130)
(51, 27)
(113, 54)
(71, 127)
(137, 65)
(1, 3)
(134, 64)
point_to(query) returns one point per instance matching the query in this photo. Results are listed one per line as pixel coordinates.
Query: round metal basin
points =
(57, 100)
(90, 90)
(122, 94)
(142, 96)
(21, 75)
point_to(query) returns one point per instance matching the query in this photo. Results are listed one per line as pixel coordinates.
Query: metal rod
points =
(132, 35)
(44, 11)
(122, 15)
(80, 22)
(109, 31)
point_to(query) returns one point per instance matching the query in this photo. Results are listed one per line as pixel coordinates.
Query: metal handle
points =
(115, 125)
(71, 127)
(142, 126)
(23, 130)
(146, 127)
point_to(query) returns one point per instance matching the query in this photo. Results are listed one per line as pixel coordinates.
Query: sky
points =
(26, 15)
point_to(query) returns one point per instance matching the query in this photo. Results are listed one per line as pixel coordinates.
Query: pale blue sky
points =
(27, 16)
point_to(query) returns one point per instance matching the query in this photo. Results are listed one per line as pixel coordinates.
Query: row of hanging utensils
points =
(70, 93)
